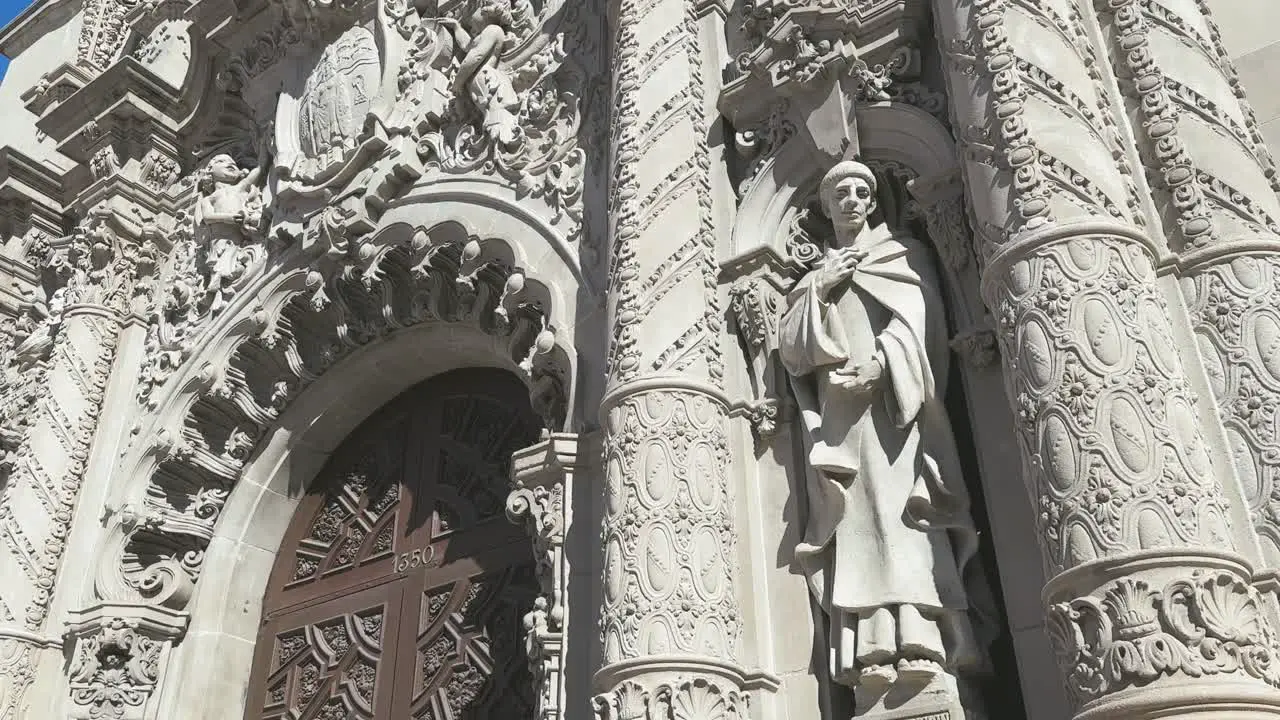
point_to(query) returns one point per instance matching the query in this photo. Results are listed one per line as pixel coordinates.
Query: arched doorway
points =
(400, 587)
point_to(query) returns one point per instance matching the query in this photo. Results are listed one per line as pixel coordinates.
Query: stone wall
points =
(1249, 31)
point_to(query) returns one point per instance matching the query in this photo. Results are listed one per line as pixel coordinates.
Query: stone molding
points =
(1163, 620)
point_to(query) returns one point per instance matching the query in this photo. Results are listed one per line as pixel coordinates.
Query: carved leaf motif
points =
(1060, 448)
(1266, 333)
(1213, 365)
(1083, 254)
(709, 570)
(1183, 423)
(1102, 331)
(1129, 435)
(1161, 345)
(1246, 468)
(702, 479)
(655, 468)
(1247, 272)
(660, 560)
(1037, 356)
(613, 571)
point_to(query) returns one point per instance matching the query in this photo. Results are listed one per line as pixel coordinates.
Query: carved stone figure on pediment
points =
(888, 536)
(229, 219)
(38, 327)
(481, 37)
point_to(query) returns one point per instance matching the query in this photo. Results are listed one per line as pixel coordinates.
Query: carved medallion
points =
(329, 112)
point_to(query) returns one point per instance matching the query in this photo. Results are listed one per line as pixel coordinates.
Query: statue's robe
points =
(888, 534)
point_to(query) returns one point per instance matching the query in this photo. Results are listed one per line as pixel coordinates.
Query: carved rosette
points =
(1105, 415)
(1190, 625)
(669, 545)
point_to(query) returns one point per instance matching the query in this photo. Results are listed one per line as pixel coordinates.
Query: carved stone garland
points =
(311, 321)
(1223, 219)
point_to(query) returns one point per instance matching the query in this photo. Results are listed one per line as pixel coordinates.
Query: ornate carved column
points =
(1152, 610)
(1215, 187)
(670, 620)
(58, 376)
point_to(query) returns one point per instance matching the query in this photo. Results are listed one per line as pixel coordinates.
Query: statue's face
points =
(849, 204)
(223, 169)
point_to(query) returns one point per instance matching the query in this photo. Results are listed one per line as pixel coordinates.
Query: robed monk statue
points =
(888, 535)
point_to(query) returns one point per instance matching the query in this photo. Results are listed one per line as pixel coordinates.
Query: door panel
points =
(400, 588)
(331, 661)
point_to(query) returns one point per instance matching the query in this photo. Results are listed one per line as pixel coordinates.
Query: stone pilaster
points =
(1215, 185)
(542, 479)
(670, 619)
(1150, 605)
(94, 273)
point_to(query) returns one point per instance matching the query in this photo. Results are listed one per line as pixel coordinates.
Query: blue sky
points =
(8, 10)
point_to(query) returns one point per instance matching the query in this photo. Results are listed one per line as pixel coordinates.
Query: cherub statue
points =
(489, 87)
(229, 214)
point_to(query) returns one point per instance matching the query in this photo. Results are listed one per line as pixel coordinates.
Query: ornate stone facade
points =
(761, 407)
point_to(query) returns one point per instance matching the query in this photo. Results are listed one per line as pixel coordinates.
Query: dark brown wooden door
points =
(400, 588)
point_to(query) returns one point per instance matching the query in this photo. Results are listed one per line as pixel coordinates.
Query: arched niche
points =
(921, 190)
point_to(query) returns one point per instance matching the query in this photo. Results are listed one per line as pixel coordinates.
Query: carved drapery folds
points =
(542, 486)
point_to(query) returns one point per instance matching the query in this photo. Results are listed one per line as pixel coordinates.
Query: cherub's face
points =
(223, 169)
(849, 203)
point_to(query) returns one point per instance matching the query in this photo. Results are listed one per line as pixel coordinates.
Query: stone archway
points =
(400, 587)
(241, 428)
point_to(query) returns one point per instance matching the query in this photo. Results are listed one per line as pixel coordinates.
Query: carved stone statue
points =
(40, 323)
(888, 535)
(487, 85)
(229, 213)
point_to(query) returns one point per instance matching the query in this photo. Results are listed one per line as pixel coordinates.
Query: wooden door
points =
(400, 587)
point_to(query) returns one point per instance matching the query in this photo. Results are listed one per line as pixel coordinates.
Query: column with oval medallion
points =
(670, 620)
(1215, 183)
(1150, 605)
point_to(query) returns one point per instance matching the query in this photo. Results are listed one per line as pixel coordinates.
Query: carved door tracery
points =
(400, 587)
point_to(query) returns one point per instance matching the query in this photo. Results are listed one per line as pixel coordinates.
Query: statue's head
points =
(221, 169)
(848, 194)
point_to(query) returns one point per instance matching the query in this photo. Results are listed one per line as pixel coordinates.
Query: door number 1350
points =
(415, 558)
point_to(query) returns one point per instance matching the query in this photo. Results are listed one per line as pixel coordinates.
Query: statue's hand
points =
(836, 268)
(860, 378)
